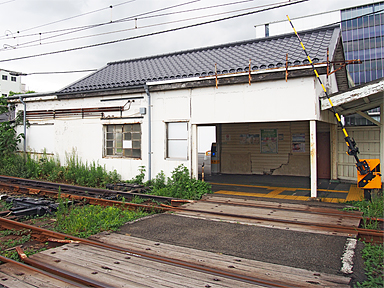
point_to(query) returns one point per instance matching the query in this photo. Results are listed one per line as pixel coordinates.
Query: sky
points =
(29, 28)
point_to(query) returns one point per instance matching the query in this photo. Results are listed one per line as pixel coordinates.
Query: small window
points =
(13, 78)
(4, 77)
(177, 140)
(122, 140)
(266, 30)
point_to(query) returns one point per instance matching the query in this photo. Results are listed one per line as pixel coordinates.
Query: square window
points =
(4, 77)
(119, 143)
(13, 78)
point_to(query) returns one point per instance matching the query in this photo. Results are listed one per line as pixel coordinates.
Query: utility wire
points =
(6, 2)
(154, 33)
(141, 27)
(81, 28)
(8, 47)
(65, 19)
(128, 19)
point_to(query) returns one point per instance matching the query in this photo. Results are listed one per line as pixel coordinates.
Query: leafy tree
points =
(8, 135)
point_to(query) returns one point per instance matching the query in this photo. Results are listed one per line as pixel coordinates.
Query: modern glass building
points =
(363, 38)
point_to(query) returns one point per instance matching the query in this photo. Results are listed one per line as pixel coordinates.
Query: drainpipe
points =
(25, 124)
(149, 133)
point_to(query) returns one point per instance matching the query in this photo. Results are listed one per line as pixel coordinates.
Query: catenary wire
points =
(141, 27)
(81, 28)
(153, 33)
(69, 18)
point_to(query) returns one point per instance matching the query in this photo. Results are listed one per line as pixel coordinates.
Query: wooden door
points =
(323, 155)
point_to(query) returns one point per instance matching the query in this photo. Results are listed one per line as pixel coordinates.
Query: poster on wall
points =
(298, 142)
(268, 141)
(249, 139)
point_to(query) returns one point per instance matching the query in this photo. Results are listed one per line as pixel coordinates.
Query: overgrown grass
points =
(371, 209)
(371, 253)
(179, 185)
(23, 236)
(373, 256)
(88, 220)
(49, 168)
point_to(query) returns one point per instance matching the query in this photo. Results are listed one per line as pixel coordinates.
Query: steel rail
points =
(78, 282)
(312, 210)
(10, 224)
(13, 181)
(370, 235)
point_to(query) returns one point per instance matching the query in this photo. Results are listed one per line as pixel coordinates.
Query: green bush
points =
(179, 185)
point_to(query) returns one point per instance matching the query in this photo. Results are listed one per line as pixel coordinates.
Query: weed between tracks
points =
(373, 254)
(80, 221)
(91, 219)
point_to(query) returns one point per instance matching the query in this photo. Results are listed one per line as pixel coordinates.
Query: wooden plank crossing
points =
(118, 269)
(121, 269)
(13, 276)
(269, 211)
(271, 272)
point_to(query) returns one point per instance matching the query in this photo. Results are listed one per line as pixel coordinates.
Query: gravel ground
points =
(315, 252)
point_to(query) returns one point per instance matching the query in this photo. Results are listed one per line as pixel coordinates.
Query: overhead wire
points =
(81, 28)
(5, 2)
(154, 33)
(126, 19)
(73, 17)
(146, 26)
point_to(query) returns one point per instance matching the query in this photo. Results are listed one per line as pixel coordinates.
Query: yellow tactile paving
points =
(276, 188)
(355, 194)
(275, 192)
(352, 195)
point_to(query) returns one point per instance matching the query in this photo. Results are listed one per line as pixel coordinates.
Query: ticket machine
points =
(214, 159)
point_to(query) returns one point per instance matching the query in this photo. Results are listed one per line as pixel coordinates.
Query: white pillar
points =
(313, 157)
(194, 152)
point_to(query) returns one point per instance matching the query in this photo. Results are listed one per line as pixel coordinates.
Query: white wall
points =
(7, 85)
(300, 23)
(268, 101)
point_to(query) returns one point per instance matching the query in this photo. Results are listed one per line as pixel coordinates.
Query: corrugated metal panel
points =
(241, 149)
(367, 139)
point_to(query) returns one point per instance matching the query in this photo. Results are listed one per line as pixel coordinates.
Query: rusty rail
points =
(312, 210)
(44, 272)
(369, 235)
(10, 224)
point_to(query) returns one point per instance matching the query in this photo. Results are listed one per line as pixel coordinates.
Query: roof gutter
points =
(149, 133)
(31, 95)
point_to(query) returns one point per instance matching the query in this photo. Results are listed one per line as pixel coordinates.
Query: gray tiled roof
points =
(233, 57)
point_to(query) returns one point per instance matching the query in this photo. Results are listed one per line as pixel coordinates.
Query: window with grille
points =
(122, 140)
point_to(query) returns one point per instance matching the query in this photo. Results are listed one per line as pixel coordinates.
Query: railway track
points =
(329, 220)
(69, 277)
(233, 209)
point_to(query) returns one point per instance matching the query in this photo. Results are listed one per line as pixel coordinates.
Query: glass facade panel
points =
(363, 39)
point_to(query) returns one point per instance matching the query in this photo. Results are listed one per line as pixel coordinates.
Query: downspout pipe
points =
(149, 133)
(25, 124)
